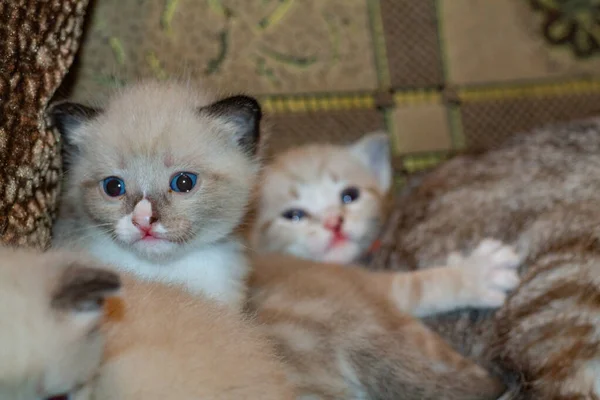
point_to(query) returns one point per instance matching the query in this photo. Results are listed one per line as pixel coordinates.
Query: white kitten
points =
(324, 202)
(50, 311)
(158, 181)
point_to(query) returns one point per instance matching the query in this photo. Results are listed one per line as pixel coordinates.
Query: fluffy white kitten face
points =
(161, 167)
(50, 311)
(324, 202)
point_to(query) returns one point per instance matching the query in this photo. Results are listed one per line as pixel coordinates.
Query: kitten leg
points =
(481, 280)
(415, 363)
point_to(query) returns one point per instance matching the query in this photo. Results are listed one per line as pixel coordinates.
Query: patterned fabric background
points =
(439, 75)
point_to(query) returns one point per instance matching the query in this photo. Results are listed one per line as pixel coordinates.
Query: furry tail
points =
(417, 364)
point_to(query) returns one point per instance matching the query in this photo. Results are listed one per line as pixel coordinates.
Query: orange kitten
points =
(165, 343)
(50, 310)
(304, 189)
(348, 332)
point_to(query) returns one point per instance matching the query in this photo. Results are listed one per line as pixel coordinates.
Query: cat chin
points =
(322, 251)
(154, 248)
(345, 253)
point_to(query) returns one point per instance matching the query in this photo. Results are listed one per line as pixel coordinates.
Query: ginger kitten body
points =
(50, 311)
(157, 181)
(165, 343)
(349, 333)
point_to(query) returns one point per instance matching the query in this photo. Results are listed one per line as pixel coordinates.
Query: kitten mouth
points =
(148, 237)
(338, 239)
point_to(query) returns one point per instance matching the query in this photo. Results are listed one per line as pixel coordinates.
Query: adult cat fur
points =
(539, 191)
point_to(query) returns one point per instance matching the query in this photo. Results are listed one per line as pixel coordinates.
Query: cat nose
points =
(143, 215)
(144, 222)
(334, 223)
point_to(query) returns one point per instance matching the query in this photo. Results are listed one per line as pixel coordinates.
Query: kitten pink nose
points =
(334, 222)
(144, 222)
(143, 217)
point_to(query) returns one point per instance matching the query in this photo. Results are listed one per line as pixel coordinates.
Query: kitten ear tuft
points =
(68, 117)
(242, 114)
(83, 290)
(373, 150)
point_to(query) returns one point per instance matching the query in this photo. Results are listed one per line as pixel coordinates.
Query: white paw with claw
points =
(489, 272)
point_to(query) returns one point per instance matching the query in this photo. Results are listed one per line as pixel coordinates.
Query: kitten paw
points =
(490, 271)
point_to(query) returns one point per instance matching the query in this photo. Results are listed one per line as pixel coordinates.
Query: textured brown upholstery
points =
(38, 40)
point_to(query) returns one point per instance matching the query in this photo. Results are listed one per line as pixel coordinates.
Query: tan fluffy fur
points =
(163, 343)
(50, 343)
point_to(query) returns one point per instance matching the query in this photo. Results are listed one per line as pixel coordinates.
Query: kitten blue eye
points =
(350, 194)
(294, 214)
(113, 186)
(183, 182)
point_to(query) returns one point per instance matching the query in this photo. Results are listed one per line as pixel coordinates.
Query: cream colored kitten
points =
(324, 202)
(51, 305)
(165, 343)
(157, 182)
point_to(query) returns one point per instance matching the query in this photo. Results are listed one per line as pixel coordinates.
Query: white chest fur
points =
(218, 270)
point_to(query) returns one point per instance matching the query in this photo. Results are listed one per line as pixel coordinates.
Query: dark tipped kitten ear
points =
(242, 114)
(83, 289)
(68, 118)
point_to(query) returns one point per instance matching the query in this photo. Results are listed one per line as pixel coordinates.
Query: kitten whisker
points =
(91, 234)
(85, 228)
